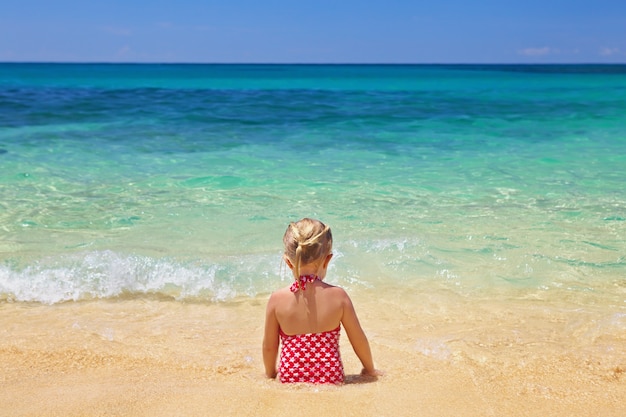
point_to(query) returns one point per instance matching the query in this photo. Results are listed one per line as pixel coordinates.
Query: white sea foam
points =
(106, 274)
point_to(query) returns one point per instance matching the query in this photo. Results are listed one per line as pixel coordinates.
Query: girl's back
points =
(316, 310)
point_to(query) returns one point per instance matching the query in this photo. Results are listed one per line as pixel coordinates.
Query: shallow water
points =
(179, 180)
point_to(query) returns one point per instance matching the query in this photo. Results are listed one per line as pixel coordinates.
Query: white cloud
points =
(543, 51)
(609, 51)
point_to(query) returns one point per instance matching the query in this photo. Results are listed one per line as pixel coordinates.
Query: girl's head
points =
(307, 242)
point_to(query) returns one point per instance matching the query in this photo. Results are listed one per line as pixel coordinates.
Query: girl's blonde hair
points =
(307, 241)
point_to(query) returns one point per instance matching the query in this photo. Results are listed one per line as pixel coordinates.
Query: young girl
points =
(307, 315)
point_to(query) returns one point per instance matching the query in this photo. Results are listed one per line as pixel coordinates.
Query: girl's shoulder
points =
(281, 292)
(336, 293)
(333, 287)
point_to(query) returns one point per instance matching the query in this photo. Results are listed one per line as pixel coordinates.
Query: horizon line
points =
(301, 63)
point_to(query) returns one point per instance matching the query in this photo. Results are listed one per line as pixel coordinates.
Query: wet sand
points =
(442, 355)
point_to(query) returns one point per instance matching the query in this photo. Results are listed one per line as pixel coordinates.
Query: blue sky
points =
(319, 31)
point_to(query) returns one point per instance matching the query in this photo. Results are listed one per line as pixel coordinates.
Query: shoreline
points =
(146, 357)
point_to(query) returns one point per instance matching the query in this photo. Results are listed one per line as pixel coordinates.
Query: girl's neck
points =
(313, 271)
(302, 281)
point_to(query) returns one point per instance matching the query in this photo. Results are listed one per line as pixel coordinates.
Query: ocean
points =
(178, 181)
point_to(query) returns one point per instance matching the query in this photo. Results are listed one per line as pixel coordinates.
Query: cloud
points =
(609, 51)
(537, 51)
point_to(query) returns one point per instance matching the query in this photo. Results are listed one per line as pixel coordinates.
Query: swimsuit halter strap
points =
(302, 281)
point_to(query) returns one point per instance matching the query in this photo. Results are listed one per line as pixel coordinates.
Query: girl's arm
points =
(357, 338)
(270, 340)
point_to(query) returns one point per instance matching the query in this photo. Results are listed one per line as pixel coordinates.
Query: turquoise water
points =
(179, 180)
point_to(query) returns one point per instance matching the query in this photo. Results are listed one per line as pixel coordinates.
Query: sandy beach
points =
(442, 355)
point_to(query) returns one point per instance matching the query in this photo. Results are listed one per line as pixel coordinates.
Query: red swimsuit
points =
(312, 358)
